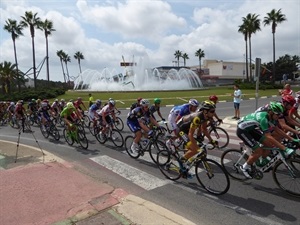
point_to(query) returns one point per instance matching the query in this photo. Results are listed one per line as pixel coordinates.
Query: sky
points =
(146, 31)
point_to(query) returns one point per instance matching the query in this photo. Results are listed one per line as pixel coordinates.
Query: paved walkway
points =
(44, 189)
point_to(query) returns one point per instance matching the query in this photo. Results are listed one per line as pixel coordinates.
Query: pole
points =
(257, 73)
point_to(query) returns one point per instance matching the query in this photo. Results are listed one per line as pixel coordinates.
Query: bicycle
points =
(217, 133)
(112, 134)
(285, 172)
(150, 144)
(77, 134)
(118, 123)
(210, 174)
(49, 128)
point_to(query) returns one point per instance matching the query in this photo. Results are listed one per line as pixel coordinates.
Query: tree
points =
(251, 24)
(32, 21)
(200, 54)
(274, 18)
(47, 27)
(185, 56)
(177, 55)
(60, 54)
(66, 59)
(15, 30)
(242, 29)
(79, 56)
(8, 73)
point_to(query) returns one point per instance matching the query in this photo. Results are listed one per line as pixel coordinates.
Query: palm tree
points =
(252, 25)
(47, 26)
(243, 30)
(177, 55)
(32, 21)
(274, 17)
(79, 56)
(60, 54)
(8, 73)
(15, 30)
(66, 59)
(185, 56)
(200, 54)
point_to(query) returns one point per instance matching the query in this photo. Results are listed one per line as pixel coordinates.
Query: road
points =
(252, 202)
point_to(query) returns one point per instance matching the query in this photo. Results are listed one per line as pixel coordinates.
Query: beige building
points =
(225, 70)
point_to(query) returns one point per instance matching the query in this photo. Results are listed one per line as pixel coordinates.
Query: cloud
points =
(105, 30)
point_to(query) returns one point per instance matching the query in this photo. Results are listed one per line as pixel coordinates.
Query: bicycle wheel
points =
(212, 176)
(45, 130)
(128, 144)
(86, 120)
(220, 135)
(155, 148)
(168, 165)
(101, 137)
(55, 133)
(82, 139)
(231, 160)
(92, 128)
(68, 137)
(119, 124)
(288, 179)
(116, 138)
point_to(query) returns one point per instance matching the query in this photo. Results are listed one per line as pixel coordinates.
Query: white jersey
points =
(106, 110)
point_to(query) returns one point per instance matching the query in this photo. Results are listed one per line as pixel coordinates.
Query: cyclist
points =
(32, 106)
(55, 108)
(69, 114)
(20, 111)
(215, 100)
(156, 108)
(78, 104)
(293, 113)
(256, 128)
(135, 122)
(93, 111)
(106, 113)
(43, 112)
(136, 104)
(190, 123)
(175, 114)
(62, 104)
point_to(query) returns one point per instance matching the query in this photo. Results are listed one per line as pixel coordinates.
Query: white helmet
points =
(145, 102)
(193, 102)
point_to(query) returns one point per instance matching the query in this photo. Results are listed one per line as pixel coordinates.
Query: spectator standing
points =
(237, 94)
(91, 100)
(284, 78)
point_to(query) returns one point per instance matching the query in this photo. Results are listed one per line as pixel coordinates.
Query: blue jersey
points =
(94, 107)
(181, 110)
(138, 113)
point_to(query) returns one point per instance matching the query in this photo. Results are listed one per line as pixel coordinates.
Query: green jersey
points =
(66, 112)
(257, 120)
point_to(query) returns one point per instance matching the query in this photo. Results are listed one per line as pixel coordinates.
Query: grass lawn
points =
(125, 99)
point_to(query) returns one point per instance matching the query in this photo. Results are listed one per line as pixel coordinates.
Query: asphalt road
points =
(252, 202)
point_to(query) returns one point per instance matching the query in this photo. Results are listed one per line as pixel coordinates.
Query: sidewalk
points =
(47, 190)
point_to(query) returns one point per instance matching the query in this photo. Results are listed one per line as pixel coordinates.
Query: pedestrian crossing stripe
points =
(137, 176)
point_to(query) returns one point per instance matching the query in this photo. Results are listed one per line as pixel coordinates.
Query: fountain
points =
(137, 79)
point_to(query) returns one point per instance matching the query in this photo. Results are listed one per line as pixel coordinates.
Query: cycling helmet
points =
(62, 100)
(56, 100)
(12, 103)
(208, 105)
(145, 102)
(33, 100)
(213, 98)
(193, 102)
(70, 105)
(288, 99)
(157, 101)
(79, 98)
(98, 102)
(276, 107)
(112, 102)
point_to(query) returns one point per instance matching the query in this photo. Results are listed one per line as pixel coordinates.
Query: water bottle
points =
(184, 136)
